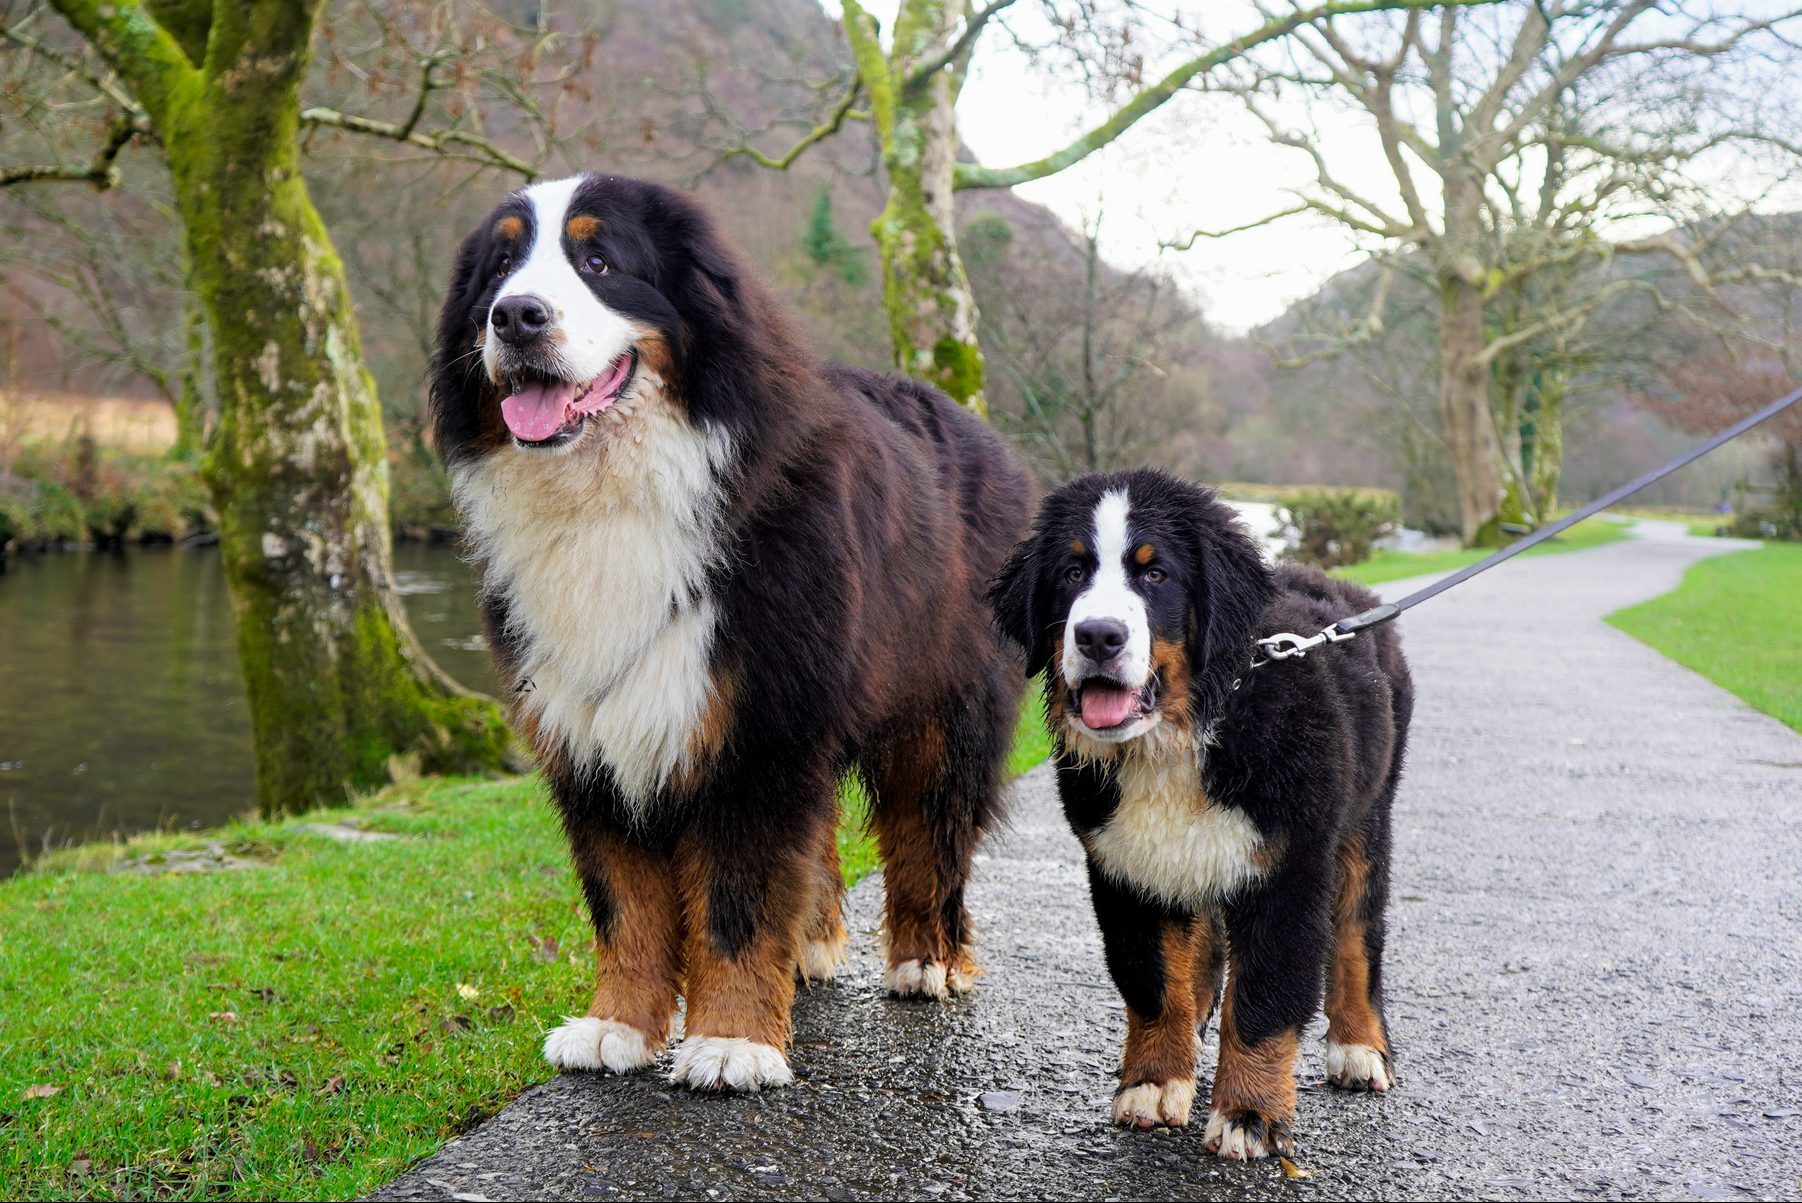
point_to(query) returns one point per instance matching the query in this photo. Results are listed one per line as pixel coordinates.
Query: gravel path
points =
(1595, 972)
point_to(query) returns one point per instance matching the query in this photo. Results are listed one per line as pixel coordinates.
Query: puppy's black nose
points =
(519, 320)
(1100, 639)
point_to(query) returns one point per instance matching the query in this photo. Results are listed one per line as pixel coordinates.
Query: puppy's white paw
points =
(588, 1043)
(729, 1063)
(1357, 1067)
(1247, 1136)
(820, 960)
(1155, 1104)
(926, 979)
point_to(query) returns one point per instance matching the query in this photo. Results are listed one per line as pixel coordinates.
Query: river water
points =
(121, 707)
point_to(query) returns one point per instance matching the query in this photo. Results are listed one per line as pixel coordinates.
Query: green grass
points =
(1386, 565)
(1737, 620)
(305, 1028)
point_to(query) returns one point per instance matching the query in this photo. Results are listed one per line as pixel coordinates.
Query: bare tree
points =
(906, 88)
(1522, 142)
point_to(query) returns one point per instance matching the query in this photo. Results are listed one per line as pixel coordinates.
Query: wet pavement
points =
(1595, 975)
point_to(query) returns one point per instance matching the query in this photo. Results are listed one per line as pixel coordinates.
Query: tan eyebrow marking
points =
(582, 227)
(1078, 548)
(1145, 553)
(510, 227)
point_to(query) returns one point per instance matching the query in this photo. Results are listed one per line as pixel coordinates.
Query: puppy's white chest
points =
(1168, 840)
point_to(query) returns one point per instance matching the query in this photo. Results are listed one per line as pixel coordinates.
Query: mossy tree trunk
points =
(1464, 399)
(931, 307)
(297, 467)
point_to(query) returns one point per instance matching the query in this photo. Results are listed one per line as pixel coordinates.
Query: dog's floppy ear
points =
(1227, 603)
(1016, 597)
(457, 375)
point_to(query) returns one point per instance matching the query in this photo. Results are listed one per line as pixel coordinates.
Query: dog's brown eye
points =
(1154, 576)
(1075, 573)
(595, 264)
(506, 263)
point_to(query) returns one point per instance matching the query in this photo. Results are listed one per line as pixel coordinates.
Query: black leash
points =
(1285, 645)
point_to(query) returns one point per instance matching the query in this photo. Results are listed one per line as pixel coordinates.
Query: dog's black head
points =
(573, 303)
(1139, 596)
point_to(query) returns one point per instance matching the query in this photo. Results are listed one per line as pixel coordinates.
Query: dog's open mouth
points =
(543, 411)
(1107, 705)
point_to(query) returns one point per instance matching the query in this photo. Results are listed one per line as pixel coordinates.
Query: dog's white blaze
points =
(601, 566)
(1166, 838)
(1110, 595)
(589, 336)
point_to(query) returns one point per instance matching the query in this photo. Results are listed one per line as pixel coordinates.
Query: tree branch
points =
(138, 49)
(971, 175)
(102, 173)
(477, 148)
(845, 110)
(960, 46)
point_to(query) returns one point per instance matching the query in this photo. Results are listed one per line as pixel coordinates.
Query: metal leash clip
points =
(1283, 646)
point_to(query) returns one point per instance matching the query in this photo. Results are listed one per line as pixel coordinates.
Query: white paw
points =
(1155, 1104)
(1356, 1067)
(820, 960)
(926, 979)
(588, 1043)
(729, 1063)
(1232, 1141)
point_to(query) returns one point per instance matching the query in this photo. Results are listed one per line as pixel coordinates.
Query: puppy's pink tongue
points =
(1106, 706)
(535, 413)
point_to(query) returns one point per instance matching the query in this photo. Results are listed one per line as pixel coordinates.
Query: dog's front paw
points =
(729, 1063)
(588, 1043)
(1155, 1104)
(1357, 1067)
(929, 979)
(1249, 1135)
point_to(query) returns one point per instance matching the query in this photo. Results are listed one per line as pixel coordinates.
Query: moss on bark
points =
(337, 684)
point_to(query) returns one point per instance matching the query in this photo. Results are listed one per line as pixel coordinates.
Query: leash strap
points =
(1285, 645)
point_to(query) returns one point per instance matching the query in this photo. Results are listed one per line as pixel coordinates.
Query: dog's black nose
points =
(1100, 639)
(519, 320)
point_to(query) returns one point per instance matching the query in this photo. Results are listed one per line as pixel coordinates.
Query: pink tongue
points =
(1106, 706)
(536, 412)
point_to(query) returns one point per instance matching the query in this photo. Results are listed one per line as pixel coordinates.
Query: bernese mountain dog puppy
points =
(1236, 821)
(717, 575)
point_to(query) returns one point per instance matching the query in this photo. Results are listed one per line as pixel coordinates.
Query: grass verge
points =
(1737, 620)
(308, 1026)
(1387, 565)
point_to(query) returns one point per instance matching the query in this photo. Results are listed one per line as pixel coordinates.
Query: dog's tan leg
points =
(1252, 1113)
(822, 951)
(1357, 1048)
(638, 933)
(744, 910)
(1157, 1068)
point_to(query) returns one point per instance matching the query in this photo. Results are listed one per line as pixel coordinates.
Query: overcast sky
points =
(1199, 161)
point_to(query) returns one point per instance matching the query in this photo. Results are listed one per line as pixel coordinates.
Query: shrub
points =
(1334, 528)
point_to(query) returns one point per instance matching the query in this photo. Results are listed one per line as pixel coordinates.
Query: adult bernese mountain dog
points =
(717, 575)
(1236, 820)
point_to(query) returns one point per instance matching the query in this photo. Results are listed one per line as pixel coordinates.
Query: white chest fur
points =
(1166, 838)
(600, 566)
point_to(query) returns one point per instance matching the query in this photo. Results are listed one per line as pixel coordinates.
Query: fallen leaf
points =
(1292, 1171)
(223, 1016)
(545, 950)
(467, 992)
(43, 1090)
(81, 1165)
(331, 1087)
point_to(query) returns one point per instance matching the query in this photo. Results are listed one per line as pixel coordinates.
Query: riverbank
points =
(293, 1009)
